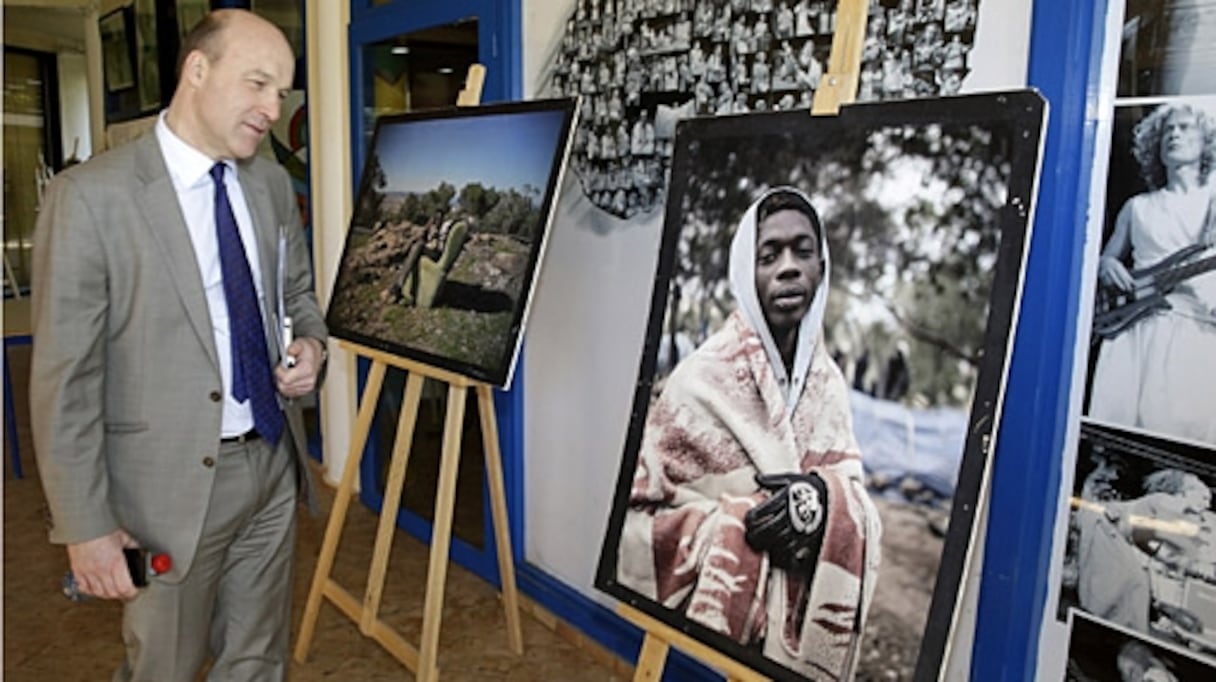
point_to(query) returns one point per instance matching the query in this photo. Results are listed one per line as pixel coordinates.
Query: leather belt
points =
(249, 435)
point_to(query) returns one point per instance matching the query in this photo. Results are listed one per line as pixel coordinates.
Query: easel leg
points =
(498, 510)
(651, 660)
(337, 515)
(441, 535)
(392, 502)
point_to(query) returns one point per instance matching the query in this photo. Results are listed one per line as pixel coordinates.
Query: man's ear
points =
(195, 66)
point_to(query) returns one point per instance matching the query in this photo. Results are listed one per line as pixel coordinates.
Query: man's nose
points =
(272, 107)
(786, 263)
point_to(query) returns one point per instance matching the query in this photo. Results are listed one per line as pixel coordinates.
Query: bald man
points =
(158, 401)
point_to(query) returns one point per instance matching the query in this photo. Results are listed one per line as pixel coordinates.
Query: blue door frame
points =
(1065, 65)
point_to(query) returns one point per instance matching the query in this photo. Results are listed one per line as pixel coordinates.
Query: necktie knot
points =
(217, 174)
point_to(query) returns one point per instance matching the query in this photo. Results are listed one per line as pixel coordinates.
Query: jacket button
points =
(216, 396)
(208, 462)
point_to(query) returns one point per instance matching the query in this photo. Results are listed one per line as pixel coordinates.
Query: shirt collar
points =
(187, 165)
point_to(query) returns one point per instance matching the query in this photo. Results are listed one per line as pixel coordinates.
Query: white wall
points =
(330, 182)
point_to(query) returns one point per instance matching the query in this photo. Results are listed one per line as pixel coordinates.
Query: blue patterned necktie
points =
(252, 378)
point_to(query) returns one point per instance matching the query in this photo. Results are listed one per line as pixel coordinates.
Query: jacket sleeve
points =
(70, 308)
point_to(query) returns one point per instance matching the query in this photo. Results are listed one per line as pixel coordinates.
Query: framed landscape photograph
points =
(820, 387)
(448, 233)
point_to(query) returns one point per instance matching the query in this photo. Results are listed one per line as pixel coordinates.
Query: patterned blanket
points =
(719, 421)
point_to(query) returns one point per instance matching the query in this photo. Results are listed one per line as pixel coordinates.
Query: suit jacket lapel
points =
(162, 217)
(266, 229)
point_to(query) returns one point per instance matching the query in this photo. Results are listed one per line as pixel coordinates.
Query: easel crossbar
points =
(378, 630)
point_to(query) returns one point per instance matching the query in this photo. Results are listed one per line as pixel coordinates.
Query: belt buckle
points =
(249, 435)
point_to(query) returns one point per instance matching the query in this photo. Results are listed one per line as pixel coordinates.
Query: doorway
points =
(31, 154)
(410, 56)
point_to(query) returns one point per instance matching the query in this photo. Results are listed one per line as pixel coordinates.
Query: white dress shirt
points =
(190, 171)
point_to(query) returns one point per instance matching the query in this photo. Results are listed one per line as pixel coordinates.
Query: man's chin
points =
(248, 146)
(780, 320)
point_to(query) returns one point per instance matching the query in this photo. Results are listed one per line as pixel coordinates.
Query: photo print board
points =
(1141, 546)
(1149, 364)
(448, 232)
(1098, 652)
(925, 206)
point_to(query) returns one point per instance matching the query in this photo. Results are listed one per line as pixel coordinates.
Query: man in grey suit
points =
(139, 436)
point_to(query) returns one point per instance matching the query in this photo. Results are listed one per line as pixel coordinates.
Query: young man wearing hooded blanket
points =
(748, 511)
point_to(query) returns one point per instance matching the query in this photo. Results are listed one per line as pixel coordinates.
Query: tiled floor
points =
(48, 638)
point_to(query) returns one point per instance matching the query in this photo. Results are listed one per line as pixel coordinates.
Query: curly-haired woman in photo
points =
(1154, 368)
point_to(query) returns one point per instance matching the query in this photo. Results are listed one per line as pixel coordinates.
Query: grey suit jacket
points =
(125, 389)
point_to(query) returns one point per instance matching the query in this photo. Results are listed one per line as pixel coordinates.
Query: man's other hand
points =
(101, 569)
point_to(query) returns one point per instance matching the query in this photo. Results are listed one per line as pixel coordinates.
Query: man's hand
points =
(789, 525)
(302, 378)
(101, 569)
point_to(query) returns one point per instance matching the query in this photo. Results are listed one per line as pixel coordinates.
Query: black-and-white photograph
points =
(448, 232)
(650, 59)
(1099, 652)
(1169, 48)
(825, 357)
(1154, 328)
(1141, 548)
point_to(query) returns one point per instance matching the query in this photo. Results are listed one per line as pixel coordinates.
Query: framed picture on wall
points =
(288, 15)
(189, 13)
(821, 382)
(449, 227)
(117, 50)
(148, 51)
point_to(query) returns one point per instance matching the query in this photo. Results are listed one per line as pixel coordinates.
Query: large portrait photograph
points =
(1141, 544)
(821, 380)
(448, 233)
(1154, 329)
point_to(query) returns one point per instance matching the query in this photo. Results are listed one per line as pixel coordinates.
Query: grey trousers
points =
(235, 603)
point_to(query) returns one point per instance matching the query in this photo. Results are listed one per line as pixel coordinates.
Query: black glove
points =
(789, 525)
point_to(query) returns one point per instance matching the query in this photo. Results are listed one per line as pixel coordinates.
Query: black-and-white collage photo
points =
(642, 65)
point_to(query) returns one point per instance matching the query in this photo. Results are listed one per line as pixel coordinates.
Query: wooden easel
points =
(423, 659)
(838, 86)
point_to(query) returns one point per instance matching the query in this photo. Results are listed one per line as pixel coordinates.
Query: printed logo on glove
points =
(806, 511)
(789, 525)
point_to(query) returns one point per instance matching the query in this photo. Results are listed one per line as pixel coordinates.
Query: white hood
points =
(743, 287)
